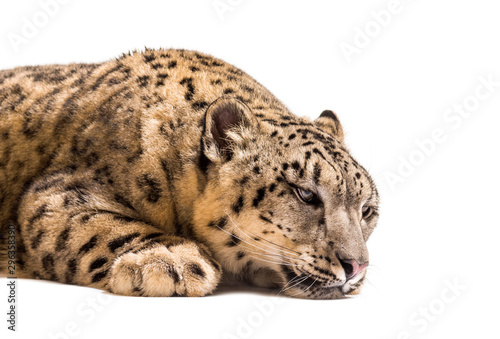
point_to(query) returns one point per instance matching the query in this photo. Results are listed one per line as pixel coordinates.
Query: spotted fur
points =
(153, 173)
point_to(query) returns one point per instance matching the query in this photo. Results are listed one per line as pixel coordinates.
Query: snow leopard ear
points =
(328, 122)
(225, 120)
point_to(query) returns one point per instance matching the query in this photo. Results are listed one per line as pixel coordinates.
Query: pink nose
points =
(351, 267)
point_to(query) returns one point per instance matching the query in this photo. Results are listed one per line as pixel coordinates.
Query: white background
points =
(439, 223)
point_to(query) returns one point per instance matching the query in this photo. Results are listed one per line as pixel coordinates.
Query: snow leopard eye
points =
(307, 196)
(366, 212)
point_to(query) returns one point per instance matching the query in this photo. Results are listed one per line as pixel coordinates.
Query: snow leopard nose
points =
(351, 267)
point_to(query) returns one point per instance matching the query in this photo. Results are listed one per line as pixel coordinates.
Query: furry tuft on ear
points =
(328, 122)
(224, 115)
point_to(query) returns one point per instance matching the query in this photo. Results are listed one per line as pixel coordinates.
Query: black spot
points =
(228, 91)
(115, 244)
(318, 152)
(240, 98)
(196, 270)
(123, 218)
(295, 165)
(238, 205)
(233, 241)
(85, 218)
(149, 57)
(35, 242)
(151, 187)
(39, 213)
(99, 276)
(308, 143)
(152, 236)
(190, 88)
(221, 223)
(247, 89)
(261, 193)
(240, 255)
(194, 69)
(172, 64)
(88, 245)
(199, 105)
(48, 263)
(256, 170)
(70, 273)
(98, 263)
(265, 219)
(274, 134)
(316, 173)
(62, 240)
(143, 80)
(47, 185)
(292, 136)
(272, 187)
(358, 175)
(285, 166)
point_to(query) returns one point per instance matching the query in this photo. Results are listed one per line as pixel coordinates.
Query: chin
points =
(310, 289)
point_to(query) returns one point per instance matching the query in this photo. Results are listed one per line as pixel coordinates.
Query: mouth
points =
(309, 285)
(304, 284)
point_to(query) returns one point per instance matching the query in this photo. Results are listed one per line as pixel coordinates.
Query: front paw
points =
(182, 269)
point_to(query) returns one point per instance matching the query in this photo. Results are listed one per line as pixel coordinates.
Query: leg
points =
(68, 239)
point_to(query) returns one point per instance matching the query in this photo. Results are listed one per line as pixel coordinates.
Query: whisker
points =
(274, 244)
(296, 283)
(246, 242)
(272, 262)
(273, 256)
(292, 252)
(306, 288)
(311, 284)
(251, 238)
(296, 277)
(283, 256)
(289, 282)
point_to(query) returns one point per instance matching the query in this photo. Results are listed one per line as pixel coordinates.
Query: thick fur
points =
(153, 173)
